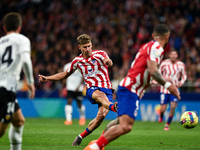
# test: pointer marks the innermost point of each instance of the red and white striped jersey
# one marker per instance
(138, 78)
(93, 70)
(174, 71)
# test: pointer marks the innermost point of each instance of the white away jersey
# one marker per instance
(175, 71)
(138, 78)
(93, 70)
(11, 46)
(74, 80)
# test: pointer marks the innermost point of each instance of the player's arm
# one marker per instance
(154, 72)
(59, 76)
(55, 77)
(28, 70)
(183, 77)
(107, 61)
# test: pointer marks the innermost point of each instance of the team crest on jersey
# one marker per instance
(7, 117)
(94, 61)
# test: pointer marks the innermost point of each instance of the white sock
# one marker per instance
(15, 137)
(94, 146)
(68, 112)
(82, 111)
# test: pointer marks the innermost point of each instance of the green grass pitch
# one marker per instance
(52, 134)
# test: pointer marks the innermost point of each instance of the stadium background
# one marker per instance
(119, 28)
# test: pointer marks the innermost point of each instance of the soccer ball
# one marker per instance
(189, 119)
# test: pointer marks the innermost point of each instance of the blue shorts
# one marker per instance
(167, 98)
(128, 102)
(90, 91)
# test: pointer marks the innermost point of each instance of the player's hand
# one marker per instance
(42, 78)
(32, 89)
(174, 91)
(154, 82)
(108, 62)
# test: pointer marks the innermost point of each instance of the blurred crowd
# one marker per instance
(118, 27)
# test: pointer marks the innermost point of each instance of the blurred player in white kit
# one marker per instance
(74, 86)
(15, 53)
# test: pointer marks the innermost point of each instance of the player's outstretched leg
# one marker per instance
(95, 123)
(106, 100)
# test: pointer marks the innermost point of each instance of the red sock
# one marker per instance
(102, 141)
(85, 133)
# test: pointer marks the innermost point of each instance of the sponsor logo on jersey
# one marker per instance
(94, 61)
(90, 70)
(90, 74)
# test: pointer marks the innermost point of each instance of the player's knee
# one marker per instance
(126, 128)
(19, 122)
(69, 101)
(100, 96)
(172, 107)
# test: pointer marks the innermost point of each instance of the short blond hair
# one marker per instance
(83, 39)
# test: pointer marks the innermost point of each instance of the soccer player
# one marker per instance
(75, 86)
(14, 55)
(143, 70)
(173, 71)
(93, 65)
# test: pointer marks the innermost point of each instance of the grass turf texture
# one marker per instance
(52, 134)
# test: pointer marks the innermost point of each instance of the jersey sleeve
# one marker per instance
(156, 53)
(103, 55)
(24, 45)
(27, 67)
